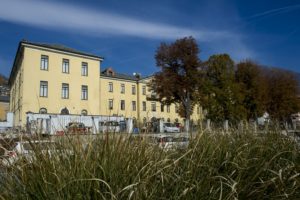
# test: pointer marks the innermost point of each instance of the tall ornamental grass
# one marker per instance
(214, 166)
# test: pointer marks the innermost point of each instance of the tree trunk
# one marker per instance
(187, 112)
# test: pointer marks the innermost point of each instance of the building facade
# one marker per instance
(56, 79)
(53, 79)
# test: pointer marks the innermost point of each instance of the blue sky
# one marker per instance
(127, 33)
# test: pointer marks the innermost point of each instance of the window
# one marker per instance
(43, 88)
(162, 108)
(43, 111)
(176, 109)
(44, 62)
(64, 111)
(65, 66)
(65, 91)
(144, 106)
(84, 112)
(168, 108)
(122, 88)
(110, 87)
(84, 69)
(133, 89)
(144, 90)
(122, 104)
(133, 106)
(84, 92)
(110, 104)
(153, 107)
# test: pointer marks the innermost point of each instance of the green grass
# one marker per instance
(215, 166)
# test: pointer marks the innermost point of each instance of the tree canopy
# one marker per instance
(178, 75)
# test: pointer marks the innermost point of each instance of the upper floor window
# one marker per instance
(84, 69)
(122, 88)
(44, 89)
(144, 90)
(168, 108)
(110, 104)
(84, 92)
(43, 111)
(162, 108)
(44, 62)
(133, 89)
(110, 87)
(144, 106)
(153, 107)
(65, 91)
(122, 104)
(65, 66)
(134, 105)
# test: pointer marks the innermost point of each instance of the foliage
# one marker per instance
(282, 94)
(178, 75)
(253, 88)
(237, 165)
(222, 98)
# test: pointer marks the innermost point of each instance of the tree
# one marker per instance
(223, 100)
(252, 88)
(282, 94)
(178, 75)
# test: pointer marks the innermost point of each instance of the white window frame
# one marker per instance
(66, 66)
(133, 89)
(84, 92)
(84, 69)
(133, 105)
(65, 91)
(43, 88)
(122, 88)
(44, 62)
(110, 87)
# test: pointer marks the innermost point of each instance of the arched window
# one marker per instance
(43, 111)
(64, 111)
(176, 120)
(168, 120)
(84, 112)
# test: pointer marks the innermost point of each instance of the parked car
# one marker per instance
(110, 126)
(77, 128)
(168, 142)
(28, 150)
(170, 128)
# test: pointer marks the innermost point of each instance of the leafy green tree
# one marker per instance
(282, 94)
(178, 75)
(253, 89)
(222, 99)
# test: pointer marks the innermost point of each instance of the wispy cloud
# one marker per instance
(61, 16)
(54, 15)
(275, 11)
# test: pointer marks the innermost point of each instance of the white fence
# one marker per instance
(8, 123)
(56, 124)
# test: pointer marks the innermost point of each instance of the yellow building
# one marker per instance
(58, 80)
(130, 96)
(53, 79)
(4, 107)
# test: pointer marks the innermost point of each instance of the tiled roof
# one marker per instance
(120, 76)
(61, 48)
